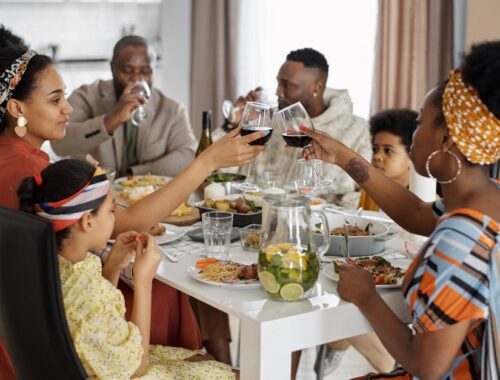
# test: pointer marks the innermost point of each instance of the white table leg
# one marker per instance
(264, 356)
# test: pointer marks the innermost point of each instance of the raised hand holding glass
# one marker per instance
(141, 113)
(293, 118)
(256, 117)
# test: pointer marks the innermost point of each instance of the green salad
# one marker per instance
(225, 177)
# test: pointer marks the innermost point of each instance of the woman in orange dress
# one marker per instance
(452, 286)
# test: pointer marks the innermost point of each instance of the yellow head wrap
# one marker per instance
(473, 128)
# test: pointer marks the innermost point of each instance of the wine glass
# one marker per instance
(256, 117)
(308, 175)
(230, 110)
(292, 118)
(142, 89)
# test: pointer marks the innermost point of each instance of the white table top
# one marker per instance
(254, 303)
(271, 330)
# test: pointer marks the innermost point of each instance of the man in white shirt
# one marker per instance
(303, 77)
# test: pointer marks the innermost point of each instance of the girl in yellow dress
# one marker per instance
(76, 198)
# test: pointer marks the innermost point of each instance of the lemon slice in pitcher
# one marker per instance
(291, 292)
(269, 282)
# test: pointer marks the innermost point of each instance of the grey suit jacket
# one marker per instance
(165, 140)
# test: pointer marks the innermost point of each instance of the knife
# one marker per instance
(169, 256)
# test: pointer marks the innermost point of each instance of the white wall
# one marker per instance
(176, 48)
(482, 21)
(81, 30)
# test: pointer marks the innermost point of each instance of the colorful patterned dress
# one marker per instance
(109, 347)
(456, 278)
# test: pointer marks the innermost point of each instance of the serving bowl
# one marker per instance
(358, 245)
(251, 236)
(239, 219)
(227, 180)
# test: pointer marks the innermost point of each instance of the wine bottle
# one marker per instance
(206, 133)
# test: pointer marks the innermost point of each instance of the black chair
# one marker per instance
(32, 321)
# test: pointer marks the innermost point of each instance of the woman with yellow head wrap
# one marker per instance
(452, 288)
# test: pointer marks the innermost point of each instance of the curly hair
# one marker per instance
(400, 122)
(11, 48)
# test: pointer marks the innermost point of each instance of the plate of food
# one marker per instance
(386, 274)
(135, 187)
(225, 273)
(246, 209)
(163, 233)
(132, 181)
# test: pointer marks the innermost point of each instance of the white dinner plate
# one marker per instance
(329, 272)
(243, 284)
(171, 234)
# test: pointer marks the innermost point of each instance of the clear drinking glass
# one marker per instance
(256, 117)
(142, 89)
(292, 119)
(217, 228)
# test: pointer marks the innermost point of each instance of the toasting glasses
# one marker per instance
(292, 118)
(142, 89)
(256, 117)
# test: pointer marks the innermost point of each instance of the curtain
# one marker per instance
(213, 58)
(414, 51)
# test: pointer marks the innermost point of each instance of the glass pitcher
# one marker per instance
(288, 259)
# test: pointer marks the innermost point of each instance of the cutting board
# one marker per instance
(175, 220)
(183, 220)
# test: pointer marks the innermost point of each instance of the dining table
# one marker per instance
(270, 330)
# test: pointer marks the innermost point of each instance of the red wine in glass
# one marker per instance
(295, 138)
(246, 130)
(297, 141)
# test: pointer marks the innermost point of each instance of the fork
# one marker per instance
(346, 243)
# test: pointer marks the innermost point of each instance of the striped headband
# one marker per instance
(68, 211)
(474, 129)
(11, 77)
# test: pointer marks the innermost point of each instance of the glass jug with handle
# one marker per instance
(288, 262)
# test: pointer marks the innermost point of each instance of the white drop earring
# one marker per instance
(20, 128)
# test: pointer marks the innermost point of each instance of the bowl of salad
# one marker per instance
(227, 180)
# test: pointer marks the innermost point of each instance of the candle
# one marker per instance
(422, 187)
(273, 190)
(213, 190)
(425, 189)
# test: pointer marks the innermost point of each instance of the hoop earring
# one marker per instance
(427, 166)
(20, 128)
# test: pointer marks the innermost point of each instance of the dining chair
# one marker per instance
(33, 325)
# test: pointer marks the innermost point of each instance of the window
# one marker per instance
(344, 31)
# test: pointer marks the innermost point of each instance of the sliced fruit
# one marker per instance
(276, 260)
(284, 246)
(270, 251)
(291, 292)
(269, 282)
(294, 260)
(295, 275)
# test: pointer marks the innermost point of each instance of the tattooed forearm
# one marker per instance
(358, 170)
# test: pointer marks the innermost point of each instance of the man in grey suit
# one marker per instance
(100, 124)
